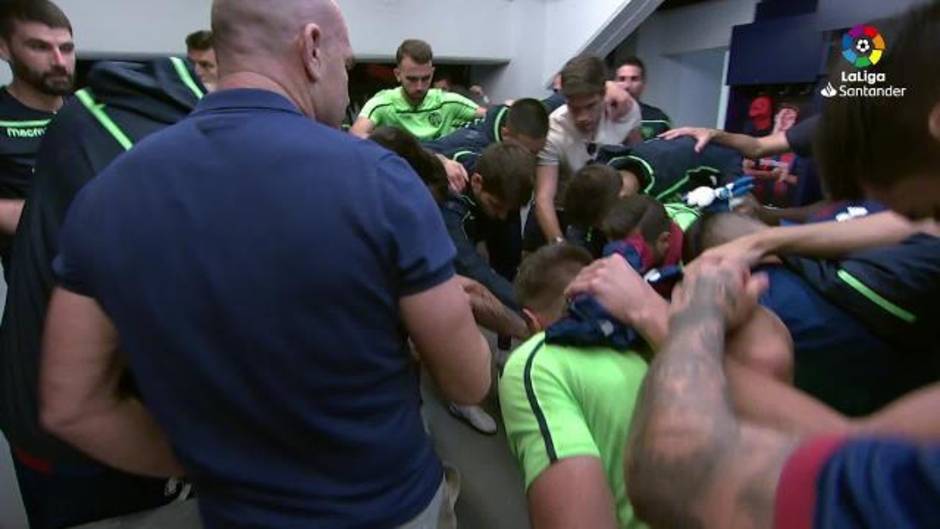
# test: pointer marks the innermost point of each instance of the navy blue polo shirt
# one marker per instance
(862, 482)
(252, 261)
(872, 482)
(837, 358)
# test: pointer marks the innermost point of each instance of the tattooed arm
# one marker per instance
(691, 462)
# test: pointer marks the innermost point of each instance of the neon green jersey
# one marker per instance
(682, 215)
(438, 115)
(561, 402)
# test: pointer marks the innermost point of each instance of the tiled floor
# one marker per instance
(492, 495)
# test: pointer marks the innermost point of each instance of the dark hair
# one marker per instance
(590, 195)
(41, 11)
(508, 171)
(583, 75)
(544, 275)
(528, 117)
(633, 60)
(637, 213)
(199, 40)
(879, 140)
(428, 167)
(419, 51)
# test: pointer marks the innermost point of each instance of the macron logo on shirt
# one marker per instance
(35, 132)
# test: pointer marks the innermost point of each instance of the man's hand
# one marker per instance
(362, 128)
(470, 286)
(490, 313)
(703, 136)
(726, 285)
(478, 91)
(456, 174)
(619, 102)
(616, 286)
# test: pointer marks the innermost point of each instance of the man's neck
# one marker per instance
(412, 102)
(257, 81)
(469, 193)
(33, 98)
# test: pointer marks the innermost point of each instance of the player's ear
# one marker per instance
(933, 124)
(532, 321)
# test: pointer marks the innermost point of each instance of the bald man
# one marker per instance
(254, 267)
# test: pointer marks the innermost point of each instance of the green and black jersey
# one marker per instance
(562, 402)
(123, 103)
(668, 169)
(438, 115)
(655, 121)
(21, 132)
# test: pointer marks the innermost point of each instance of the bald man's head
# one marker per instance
(300, 45)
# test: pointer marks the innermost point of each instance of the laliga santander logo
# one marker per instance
(863, 46)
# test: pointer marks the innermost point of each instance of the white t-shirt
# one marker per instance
(569, 149)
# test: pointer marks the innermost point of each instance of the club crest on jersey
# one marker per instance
(435, 119)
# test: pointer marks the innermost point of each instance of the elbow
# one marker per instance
(58, 417)
(652, 494)
(472, 390)
(666, 456)
(471, 384)
(62, 413)
(641, 486)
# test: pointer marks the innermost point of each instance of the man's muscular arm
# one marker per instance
(691, 462)
(10, 212)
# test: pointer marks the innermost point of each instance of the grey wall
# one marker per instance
(681, 48)
(535, 37)
(699, 87)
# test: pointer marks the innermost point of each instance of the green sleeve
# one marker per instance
(462, 109)
(544, 423)
(682, 215)
(375, 107)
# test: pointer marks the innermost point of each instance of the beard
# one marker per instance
(56, 81)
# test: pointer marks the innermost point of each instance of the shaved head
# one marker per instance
(715, 229)
(296, 44)
(243, 28)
